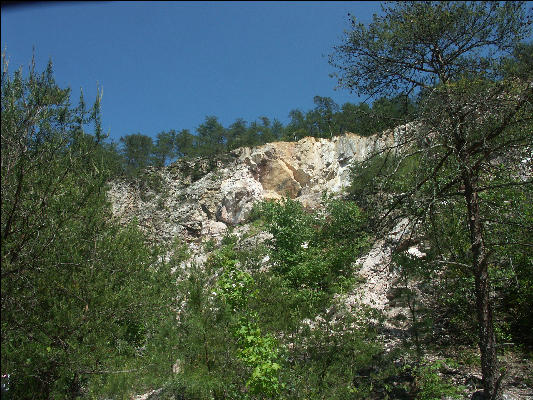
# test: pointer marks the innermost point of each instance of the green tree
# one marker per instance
(521, 63)
(449, 49)
(277, 130)
(237, 134)
(325, 109)
(353, 118)
(390, 112)
(256, 350)
(164, 148)
(411, 52)
(212, 137)
(297, 128)
(265, 131)
(209, 316)
(314, 252)
(253, 134)
(137, 151)
(385, 113)
(111, 157)
(185, 144)
(81, 296)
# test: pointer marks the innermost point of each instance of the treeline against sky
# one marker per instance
(327, 119)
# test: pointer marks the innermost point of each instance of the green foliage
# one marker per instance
(521, 63)
(470, 123)
(211, 137)
(343, 226)
(510, 208)
(244, 333)
(235, 285)
(388, 113)
(81, 296)
(255, 350)
(205, 345)
(221, 341)
(323, 116)
(164, 148)
(380, 179)
(291, 228)
(337, 356)
(184, 144)
(194, 385)
(250, 329)
(259, 352)
(313, 251)
(88, 309)
(238, 134)
(136, 150)
(419, 44)
(340, 358)
(430, 385)
(327, 119)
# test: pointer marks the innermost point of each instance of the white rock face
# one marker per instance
(239, 191)
(380, 279)
(308, 166)
(197, 199)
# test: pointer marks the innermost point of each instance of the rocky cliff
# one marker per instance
(196, 200)
(201, 197)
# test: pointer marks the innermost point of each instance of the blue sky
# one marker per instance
(167, 65)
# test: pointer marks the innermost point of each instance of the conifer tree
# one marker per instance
(471, 122)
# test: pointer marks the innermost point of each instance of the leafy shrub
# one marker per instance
(430, 384)
(312, 251)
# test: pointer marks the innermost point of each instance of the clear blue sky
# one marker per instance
(167, 65)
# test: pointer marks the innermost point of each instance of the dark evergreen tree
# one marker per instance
(137, 152)
(164, 148)
(325, 109)
(237, 134)
(185, 144)
(212, 137)
(297, 127)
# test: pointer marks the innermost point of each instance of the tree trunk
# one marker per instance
(487, 339)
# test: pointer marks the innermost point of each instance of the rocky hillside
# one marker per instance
(200, 200)
(196, 200)
(202, 197)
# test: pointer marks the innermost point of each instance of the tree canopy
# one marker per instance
(416, 45)
(469, 125)
(80, 293)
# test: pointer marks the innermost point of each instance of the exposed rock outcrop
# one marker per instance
(203, 197)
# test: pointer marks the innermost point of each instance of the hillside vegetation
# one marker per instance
(93, 308)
